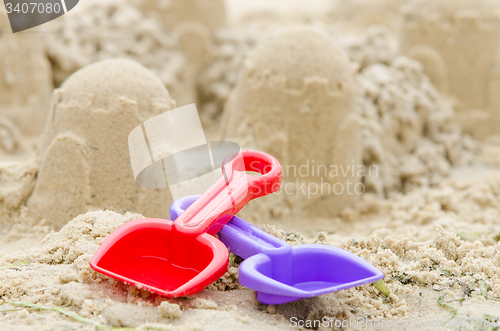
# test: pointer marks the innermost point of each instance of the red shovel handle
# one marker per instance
(231, 192)
(259, 162)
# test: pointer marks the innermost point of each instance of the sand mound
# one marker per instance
(83, 155)
(408, 129)
(77, 240)
(17, 183)
(457, 43)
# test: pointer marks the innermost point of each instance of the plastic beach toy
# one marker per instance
(182, 257)
(281, 273)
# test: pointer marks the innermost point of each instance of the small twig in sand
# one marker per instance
(466, 288)
(13, 265)
(438, 287)
(45, 288)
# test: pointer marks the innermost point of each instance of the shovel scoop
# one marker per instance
(281, 273)
(182, 257)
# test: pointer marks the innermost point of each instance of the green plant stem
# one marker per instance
(65, 312)
(449, 306)
(13, 265)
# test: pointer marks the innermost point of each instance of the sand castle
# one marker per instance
(4, 21)
(408, 133)
(457, 41)
(296, 83)
(215, 82)
(83, 155)
(25, 84)
(360, 14)
(209, 13)
(193, 21)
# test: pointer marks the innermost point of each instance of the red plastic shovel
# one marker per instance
(182, 257)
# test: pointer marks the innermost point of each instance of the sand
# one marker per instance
(412, 239)
(427, 217)
(435, 31)
(107, 35)
(359, 15)
(408, 138)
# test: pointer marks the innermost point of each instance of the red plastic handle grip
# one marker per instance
(260, 162)
(230, 193)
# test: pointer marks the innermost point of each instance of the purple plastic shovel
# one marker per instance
(281, 273)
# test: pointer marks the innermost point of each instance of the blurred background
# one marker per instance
(406, 88)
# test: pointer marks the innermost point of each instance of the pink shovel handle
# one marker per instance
(231, 192)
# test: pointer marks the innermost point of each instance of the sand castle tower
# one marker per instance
(360, 14)
(458, 43)
(83, 155)
(25, 80)
(194, 21)
(210, 13)
(294, 99)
